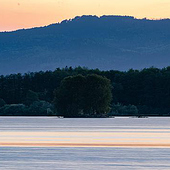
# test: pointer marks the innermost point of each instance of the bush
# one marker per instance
(38, 108)
(13, 110)
(121, 110)
(41, 108)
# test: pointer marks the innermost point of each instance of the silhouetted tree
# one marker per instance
(80, 96)
(69, 98)
(98, 95)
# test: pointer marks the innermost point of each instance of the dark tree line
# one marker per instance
(147, 89)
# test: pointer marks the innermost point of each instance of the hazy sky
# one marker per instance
(15, 14)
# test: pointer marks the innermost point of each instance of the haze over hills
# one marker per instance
(107, 42)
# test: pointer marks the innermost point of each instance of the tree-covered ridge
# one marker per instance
(146, 90)
(121, 42)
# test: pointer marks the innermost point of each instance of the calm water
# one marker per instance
(81, 144)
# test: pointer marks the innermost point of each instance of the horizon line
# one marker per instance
(98, 16)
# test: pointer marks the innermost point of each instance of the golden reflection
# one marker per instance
(155, 138)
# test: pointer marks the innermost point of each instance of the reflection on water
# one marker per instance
(84, 144)
(151, 132)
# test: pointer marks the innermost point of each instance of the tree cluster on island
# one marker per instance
(82, 92)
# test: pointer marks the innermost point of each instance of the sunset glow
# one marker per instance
(18, 14)
(131, 138)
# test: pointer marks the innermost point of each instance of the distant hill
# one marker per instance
(107, 42)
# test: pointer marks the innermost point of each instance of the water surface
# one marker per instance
(87, 144)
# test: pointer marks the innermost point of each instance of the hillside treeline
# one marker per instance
(134, 92)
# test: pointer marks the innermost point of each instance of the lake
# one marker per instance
(71, 144)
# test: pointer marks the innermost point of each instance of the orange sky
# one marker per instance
(17, 14)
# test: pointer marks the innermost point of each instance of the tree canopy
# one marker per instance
(84, 96)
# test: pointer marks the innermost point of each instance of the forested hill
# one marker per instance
(107, 42)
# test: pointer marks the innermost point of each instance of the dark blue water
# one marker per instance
(12, 158)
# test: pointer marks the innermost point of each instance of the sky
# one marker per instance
(18, 14)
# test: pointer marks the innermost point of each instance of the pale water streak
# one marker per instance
(84, 144)
(124, 132)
